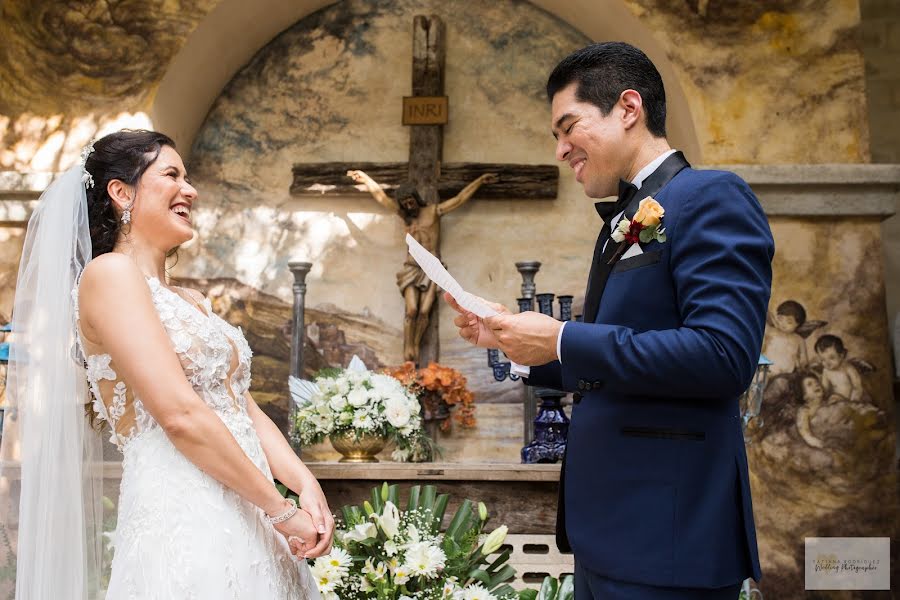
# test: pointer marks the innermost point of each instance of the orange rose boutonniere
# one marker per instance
(646, 226)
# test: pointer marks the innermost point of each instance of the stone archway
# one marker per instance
(232, 33)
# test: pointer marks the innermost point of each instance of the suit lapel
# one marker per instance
(600, 273)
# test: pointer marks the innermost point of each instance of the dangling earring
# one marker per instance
(126, 214)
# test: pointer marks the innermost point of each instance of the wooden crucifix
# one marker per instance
(424, 188)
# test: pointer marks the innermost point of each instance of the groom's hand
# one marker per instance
(313, 501)
(472, 327)
(527, 338)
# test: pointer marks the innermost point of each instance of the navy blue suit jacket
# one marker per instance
(656, 480)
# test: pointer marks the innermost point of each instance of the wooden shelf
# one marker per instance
(434, 471)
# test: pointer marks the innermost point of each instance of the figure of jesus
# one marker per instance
(423, 222)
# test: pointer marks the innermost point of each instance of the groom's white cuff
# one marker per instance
(525, 371)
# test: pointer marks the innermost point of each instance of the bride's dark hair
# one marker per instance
(123, 155)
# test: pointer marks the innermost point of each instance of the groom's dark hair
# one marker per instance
(603, 71)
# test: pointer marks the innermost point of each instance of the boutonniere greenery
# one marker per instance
(646, 226)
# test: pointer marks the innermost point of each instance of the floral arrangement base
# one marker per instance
(355, 448)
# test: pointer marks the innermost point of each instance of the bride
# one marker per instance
(199, 516)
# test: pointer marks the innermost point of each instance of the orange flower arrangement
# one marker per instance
(439, 387)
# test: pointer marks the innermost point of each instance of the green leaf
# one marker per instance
(567, 588)
(437, 512)
(661, 238)
(506, 590)
(507, 573)
(413, 503)
(347, 512)
(499, 561)
(459, 524)
(482, 576)
(528, 594)
(394, 494)
(548, 589)
(427, 498)
(646, 235)
(377, 502)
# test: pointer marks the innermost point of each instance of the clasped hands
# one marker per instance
(527, 338)
(310, 531)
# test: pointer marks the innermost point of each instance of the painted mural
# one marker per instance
(822, 452)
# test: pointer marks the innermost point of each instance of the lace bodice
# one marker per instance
(214, 354)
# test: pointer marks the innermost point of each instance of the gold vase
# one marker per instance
(360, 448)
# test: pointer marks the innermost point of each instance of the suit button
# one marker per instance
(597, 385)
(582, 384)
(576, 397)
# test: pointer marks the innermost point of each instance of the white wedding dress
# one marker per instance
(180, 533)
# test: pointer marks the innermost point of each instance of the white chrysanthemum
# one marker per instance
(338, 559)
(399, 455)
(362, 421)
(401, 575)
(396, 412)
(424, 559)
(326, 578)
(476, 591)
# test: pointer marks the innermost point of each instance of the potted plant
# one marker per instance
(441, 390)
(383, 551)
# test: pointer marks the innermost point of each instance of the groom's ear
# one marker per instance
(120, 193)
(632, 106)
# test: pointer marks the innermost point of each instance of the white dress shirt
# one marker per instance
(642, 175)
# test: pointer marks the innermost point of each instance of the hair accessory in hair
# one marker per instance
(86, 178)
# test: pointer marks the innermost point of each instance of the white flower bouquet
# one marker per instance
(361, 403)
(383, 552)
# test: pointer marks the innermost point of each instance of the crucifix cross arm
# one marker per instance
(373, 188)
(466, 193)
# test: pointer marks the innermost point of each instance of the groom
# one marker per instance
(654, 495)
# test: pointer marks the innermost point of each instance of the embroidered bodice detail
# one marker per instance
(214, 354)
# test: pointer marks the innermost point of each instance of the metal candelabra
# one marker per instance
(545, 428)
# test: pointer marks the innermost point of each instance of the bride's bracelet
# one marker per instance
(285, 515)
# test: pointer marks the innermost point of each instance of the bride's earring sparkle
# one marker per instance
(126, 214)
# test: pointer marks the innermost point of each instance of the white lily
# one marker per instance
(389, 521)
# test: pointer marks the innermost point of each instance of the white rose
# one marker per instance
(358, 397)
(396, 412)
(338, 403)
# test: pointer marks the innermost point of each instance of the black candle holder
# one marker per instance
(565, 307)
(551, 428)
(545, 303)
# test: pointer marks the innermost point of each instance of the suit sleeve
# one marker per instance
(549, 376)
(721, 264)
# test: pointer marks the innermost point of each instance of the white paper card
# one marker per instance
(438, 274)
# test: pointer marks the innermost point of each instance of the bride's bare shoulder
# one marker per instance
(109, 273)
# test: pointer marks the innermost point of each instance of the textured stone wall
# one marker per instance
(768, 82)
(69, 71)
(880, 34)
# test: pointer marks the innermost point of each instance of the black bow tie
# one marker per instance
(607, 210)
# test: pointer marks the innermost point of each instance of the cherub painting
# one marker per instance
(840, 373)
(786, 337)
